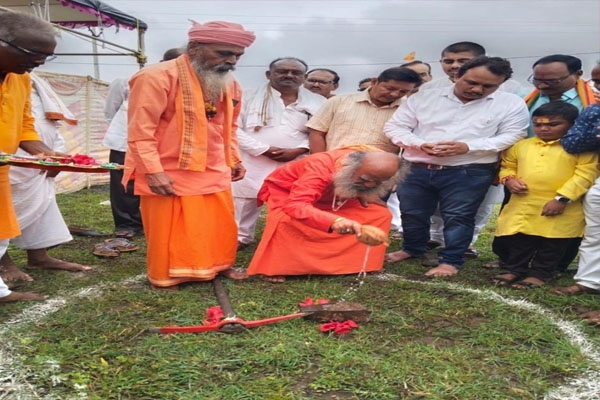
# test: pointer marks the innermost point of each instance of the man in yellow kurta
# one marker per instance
(182, 148)
(545, 209)
(21, 50)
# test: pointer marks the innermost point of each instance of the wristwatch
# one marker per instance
(562, 199)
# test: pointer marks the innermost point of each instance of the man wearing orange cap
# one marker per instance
(182, 148)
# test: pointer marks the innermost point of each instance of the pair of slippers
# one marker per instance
(114, 247)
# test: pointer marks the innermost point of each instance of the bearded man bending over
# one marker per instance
(182, 147)
(316, 205)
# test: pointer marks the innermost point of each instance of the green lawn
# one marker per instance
(459, 338)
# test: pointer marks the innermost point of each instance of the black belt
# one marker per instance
(437, 167)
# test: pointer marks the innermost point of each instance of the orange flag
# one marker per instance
(410, 56)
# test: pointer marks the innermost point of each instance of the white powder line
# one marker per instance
(584, 387)
(13, 375)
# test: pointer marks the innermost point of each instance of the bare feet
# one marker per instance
(11, 274)
(574, 290)
(274, 278)
(505, 279)
(22, 296)
(54, 263)
(442, 270)
(592, 317)
(40, 259)
(234, 274)
(530, 282)
(397, 256)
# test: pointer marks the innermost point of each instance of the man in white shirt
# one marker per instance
(322, 81)
(271, 132)
(455, 56)
(452, 137)
(452, 58)
(125, 206)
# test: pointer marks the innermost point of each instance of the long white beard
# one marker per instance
(213, 82)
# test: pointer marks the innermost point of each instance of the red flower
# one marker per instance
(83, 159)
(310, 302)
(307, 302)
(339, 328)
(213, 315)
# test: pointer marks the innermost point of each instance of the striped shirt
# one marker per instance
(353, 119)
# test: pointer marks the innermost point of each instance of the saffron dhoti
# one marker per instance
(190, 238)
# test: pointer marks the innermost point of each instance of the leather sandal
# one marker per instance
(121, 244)
(104, 250)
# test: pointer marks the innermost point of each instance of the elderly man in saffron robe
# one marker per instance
(316, 205)
(182, 148)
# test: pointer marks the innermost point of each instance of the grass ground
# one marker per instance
(458, 338)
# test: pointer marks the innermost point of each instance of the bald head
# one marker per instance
(379, 166)
(368, 174)
(172, 54)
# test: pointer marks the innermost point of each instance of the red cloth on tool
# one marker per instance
(339, 328)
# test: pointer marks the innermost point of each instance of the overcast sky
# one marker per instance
(357, 38)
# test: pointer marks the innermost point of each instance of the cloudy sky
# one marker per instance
(357, 38)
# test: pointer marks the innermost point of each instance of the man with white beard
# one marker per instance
(182, 150)
(316, 205)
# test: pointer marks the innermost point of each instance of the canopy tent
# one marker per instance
(68, 15)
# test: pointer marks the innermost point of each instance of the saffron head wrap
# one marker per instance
(220, 32)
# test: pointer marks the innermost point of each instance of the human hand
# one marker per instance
(553, 207)
(161, 183)
(516, 186)
(285, 155)
(429, 148)
(237, 172)
(345, 226)
(446, 149)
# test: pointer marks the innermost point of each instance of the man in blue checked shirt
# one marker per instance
(585, 136)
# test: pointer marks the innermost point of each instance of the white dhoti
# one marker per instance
(4, 291)
(33, 194)
(40, 220)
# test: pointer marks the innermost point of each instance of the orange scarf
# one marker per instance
(192, 121)
(584, 91)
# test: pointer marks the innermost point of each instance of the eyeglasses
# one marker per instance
(549, 82)
(319, 82)
(32, 53)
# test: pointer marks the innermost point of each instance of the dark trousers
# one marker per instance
(499, 246)
(124, 204)
(534, 256)
(458, 191)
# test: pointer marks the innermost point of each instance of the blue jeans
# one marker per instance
(458, 193)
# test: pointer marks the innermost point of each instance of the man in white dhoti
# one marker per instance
(33, 194)
(271, 132)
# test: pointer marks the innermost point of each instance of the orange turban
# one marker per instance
(220, 32)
